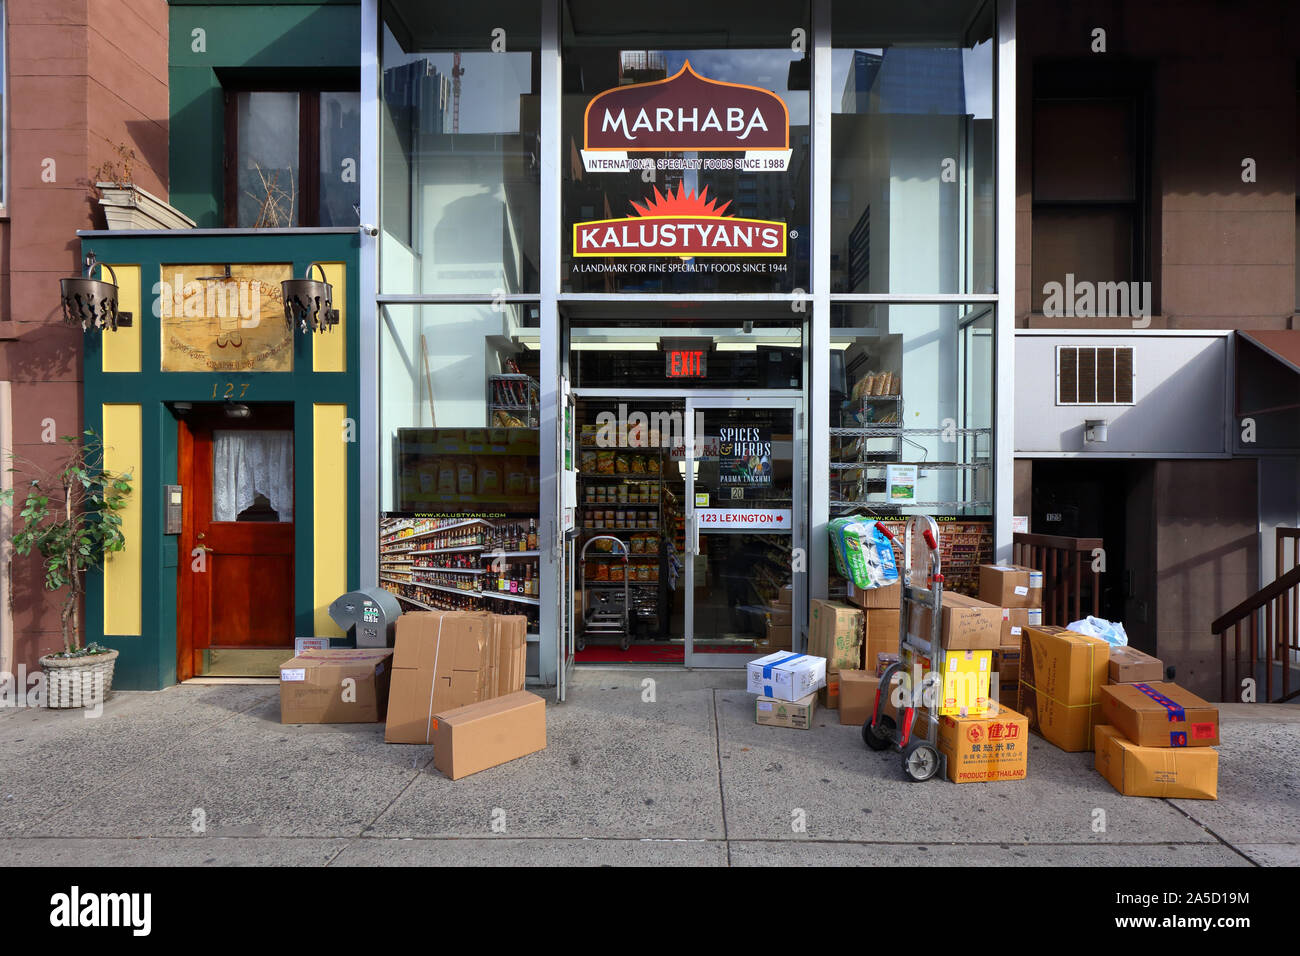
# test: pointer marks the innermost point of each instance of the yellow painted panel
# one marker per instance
(328, 349)
(330, 513)
(123, 581)
(121, 349)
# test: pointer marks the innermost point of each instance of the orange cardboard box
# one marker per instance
(858, 696)
(890, 596)
(488, 733)
(990, 747)
(1135, 771)
(1160, 714)
(1011, 585)
(1061, 677)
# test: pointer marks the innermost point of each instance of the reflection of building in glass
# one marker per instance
(418, 97)
(906, 80)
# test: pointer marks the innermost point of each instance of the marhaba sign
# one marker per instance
(685, 114)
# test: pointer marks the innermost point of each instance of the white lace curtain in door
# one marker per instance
(252, 475)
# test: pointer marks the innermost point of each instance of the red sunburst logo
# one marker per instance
(682, 203)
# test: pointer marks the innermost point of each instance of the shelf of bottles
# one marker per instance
(462, 564)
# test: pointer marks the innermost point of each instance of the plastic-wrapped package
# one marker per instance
(1112, 632)
(863, 553)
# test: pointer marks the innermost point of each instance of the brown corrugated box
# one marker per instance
(797, 714)
(1160, 714)
(473, 655)
(835, 633)
(488, 733)
(776, 638)
(780, 615)
(881, 634)
(1015, 620)
(1061, 676)
(312, 689)
(987, 748)
(1128, 665)
(967, 624)
(858, 696)
(785, 595)
(1135, 771)
(890, 596)
(1011, 585)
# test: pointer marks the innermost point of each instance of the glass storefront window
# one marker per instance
(912, 197)
(459, 459)
(340, 137)
(688, 162)
(911, 389)
(459, 145)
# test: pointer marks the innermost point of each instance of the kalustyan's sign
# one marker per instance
(686, 113)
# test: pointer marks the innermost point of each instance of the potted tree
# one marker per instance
(71, 517)
(126, 205)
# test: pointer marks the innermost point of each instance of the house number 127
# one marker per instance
(229, 391)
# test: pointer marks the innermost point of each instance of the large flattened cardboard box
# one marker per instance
(835, 633)
(796, 714)
(1135, 771)
(1128, 665)
(787, 677)
(1061, 677)
(965, 679)
(488, 733)
(1011, 585)
(312, 688)
(447, 659)
(1160, 714)
(990, 747)
(965, 623)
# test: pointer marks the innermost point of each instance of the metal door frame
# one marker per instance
(798, 507)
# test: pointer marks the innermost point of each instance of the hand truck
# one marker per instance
(919, 747)
(604, 615)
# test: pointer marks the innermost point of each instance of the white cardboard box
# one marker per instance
(786, 676)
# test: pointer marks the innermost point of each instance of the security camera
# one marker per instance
(369, 230)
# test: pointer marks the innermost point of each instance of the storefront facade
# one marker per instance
(659, 294)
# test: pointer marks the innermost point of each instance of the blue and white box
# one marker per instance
(786, 676)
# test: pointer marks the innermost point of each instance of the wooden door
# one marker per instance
(238, 510)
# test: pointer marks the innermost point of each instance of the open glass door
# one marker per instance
(744, 527)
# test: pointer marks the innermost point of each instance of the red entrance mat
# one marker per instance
(657, 653)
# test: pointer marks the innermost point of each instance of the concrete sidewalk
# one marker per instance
(688, 779)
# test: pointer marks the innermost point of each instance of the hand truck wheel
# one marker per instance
(878, 736)
(920, 761)
(581, 645)
(624, 643)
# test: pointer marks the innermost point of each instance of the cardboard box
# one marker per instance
(1011, 585)
(1015, 620)
(1008, 694)
(835, 633)
(780, 615)
(965, 680)
(1061, 677)
(881, 634)
(1137, 771)
(993, 746)
(776, 638)
(858, 696)
(785, 596)
(1006, 664)
(488, 733)
(890, 596)
(1128, 665)
(507, 654)
(439, 663)
(312, 688)
(796, 714)
(966, 624)
(1160, 714)
(785, 676)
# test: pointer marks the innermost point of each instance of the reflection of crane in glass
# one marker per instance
(457, 71)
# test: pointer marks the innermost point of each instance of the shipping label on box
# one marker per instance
(1137, 771)
(788, 677)
(987, 748)
(796, 714)
(1160, 714)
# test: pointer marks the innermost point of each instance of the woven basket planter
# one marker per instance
(78, 681)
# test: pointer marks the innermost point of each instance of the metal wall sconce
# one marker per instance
(309, 303)
(92, 303)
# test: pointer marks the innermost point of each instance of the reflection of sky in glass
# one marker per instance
(768, 69)
(977, 66)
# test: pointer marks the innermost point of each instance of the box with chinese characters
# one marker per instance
(989, 747)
